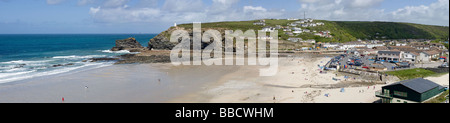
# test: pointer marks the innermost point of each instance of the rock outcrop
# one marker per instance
(161, 42)
(129, 44)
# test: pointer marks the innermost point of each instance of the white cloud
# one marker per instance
(364, 3)
(183, 5)
(436, 13)
(254, 9)
(115, 3)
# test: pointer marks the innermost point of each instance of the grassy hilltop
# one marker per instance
(344, 31)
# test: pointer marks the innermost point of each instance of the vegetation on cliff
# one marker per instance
(341, 31)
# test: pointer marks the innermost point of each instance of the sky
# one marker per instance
(155, 16)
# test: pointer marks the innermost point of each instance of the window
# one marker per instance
(401, 94)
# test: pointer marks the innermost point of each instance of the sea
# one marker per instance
(27, 56)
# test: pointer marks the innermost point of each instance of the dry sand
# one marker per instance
(245, 86)
(290, 85)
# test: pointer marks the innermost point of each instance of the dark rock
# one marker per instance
(133, 58)
(161, 42)
(60, 65)
(103, 59)
(20, 66)
(127, 44)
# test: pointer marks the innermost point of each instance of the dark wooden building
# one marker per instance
(410, 91)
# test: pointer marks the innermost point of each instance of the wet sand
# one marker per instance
(132, 83)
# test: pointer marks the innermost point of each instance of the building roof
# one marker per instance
(389, 52)
(380, 48)
(432, 52)
(419, 85)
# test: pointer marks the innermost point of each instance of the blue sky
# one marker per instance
(154, 16)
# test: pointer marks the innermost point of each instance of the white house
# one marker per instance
(296, 29)
(370, 46)
(310, 41)
(330, 45)
(295, 39)
(351, 45)
(424, 57)
(297, 32)
(410, 57)
(268, 29)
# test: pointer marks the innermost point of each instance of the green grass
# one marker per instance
(441, 98)
(342, 31)
(412, 73)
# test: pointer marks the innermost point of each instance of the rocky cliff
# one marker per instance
(162, 40)
(128, 44)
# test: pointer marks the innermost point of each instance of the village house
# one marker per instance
(295, 39)
(402, 48)
(268, 29)
(435, 54)
(306, 30)
(372, 45)
(260, 23)
(320, 24)
(410, 57)
(330, 45)
(389, 56)
(421, 47)
(410, 91)
(351, 45)
(379, 48)
(438, 45)
(428, 56)
(310, 41)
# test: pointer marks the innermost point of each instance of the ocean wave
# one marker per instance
(14, 70)
(78, 57)
(116, 52)
(25, 62)
(11, 77)
(6, 75)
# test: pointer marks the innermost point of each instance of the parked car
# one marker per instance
(403, 65)
(445, 65)
(366, 67)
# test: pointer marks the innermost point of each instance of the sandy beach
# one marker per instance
(298, 80)
(131, 83)
(290, 85)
